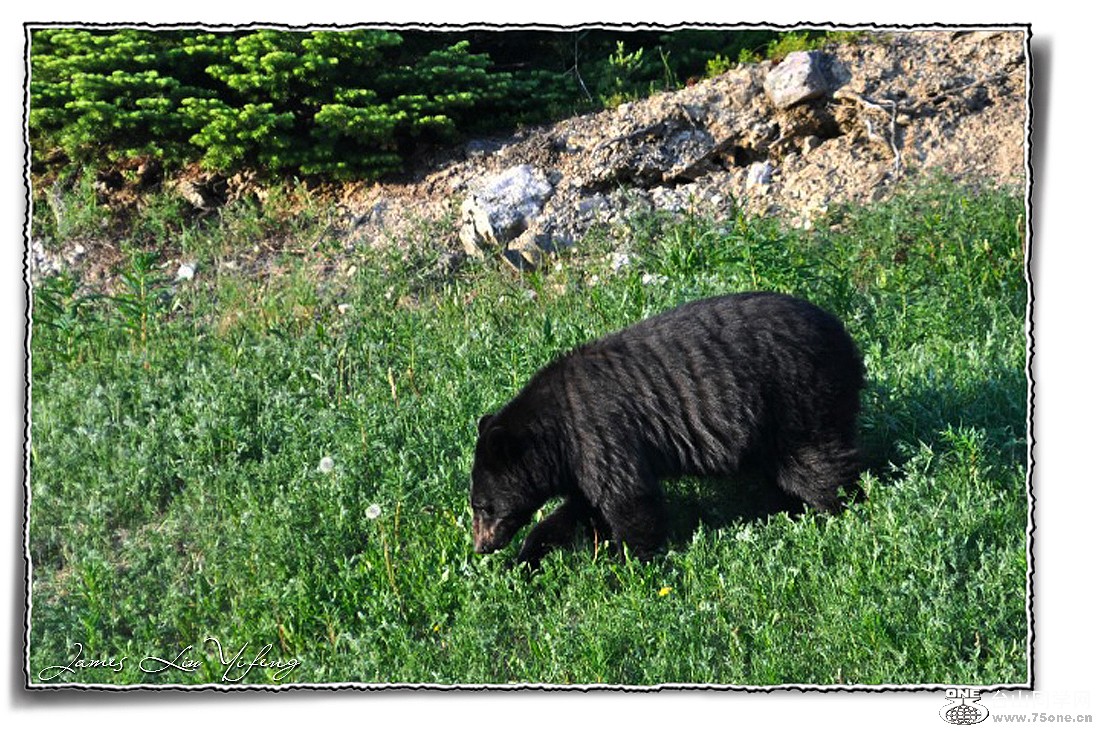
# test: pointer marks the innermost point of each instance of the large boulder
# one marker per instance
(502, 207)
(797, 79)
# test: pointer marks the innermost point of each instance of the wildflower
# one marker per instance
(374, 511)
(657, 279)
(326, 465)
(665, 591)
(619, 259)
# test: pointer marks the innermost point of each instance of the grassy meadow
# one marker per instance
(275, 463)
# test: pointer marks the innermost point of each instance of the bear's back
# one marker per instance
(694, 389)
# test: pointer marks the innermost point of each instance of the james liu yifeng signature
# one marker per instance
(234, 667)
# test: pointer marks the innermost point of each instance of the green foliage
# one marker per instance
(335, 103)
(93, 93)
(718, 65)
(178, 487)
(68, 213)
(785, 43)
(61, 324)
(144, 292)
(660, 62)
(791, 42)
(622, 75)
(353, 103)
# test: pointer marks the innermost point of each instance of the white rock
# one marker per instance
(502, 207)
(760, 173)
(797, 79)
(619, 260)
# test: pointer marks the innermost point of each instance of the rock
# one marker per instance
(689, 153)
(43, 263)
(502, 207)
(205, 192)
(760, 173)
(619, 260)
(186, 272)
(74, 255)
(529, 249)
(479, 148)
(798, 78)
(449, 262)
(593, 206)
(764, 138)
(977, 99)
(524, 255)
(149, 173)
(721, 140)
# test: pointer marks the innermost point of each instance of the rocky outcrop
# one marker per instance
(787, 139)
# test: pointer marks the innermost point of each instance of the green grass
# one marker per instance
(177, 437)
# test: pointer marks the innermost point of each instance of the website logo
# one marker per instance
(964, 708)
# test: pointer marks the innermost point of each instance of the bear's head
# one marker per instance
(506, 484)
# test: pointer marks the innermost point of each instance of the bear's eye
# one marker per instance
(484, 509)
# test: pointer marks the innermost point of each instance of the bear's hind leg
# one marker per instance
(816, 474)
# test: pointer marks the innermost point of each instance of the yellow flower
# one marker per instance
(665, 591)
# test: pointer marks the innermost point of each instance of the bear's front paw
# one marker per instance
(533, 551)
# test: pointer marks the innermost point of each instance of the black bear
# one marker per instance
(698, 390)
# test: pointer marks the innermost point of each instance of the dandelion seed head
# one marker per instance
(374, 511)
(326, 465)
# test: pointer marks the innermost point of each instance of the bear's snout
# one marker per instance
(485, 534)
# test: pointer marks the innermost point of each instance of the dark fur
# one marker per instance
(698, 390)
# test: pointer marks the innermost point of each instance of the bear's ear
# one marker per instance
(483, 422)
(501, 444)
